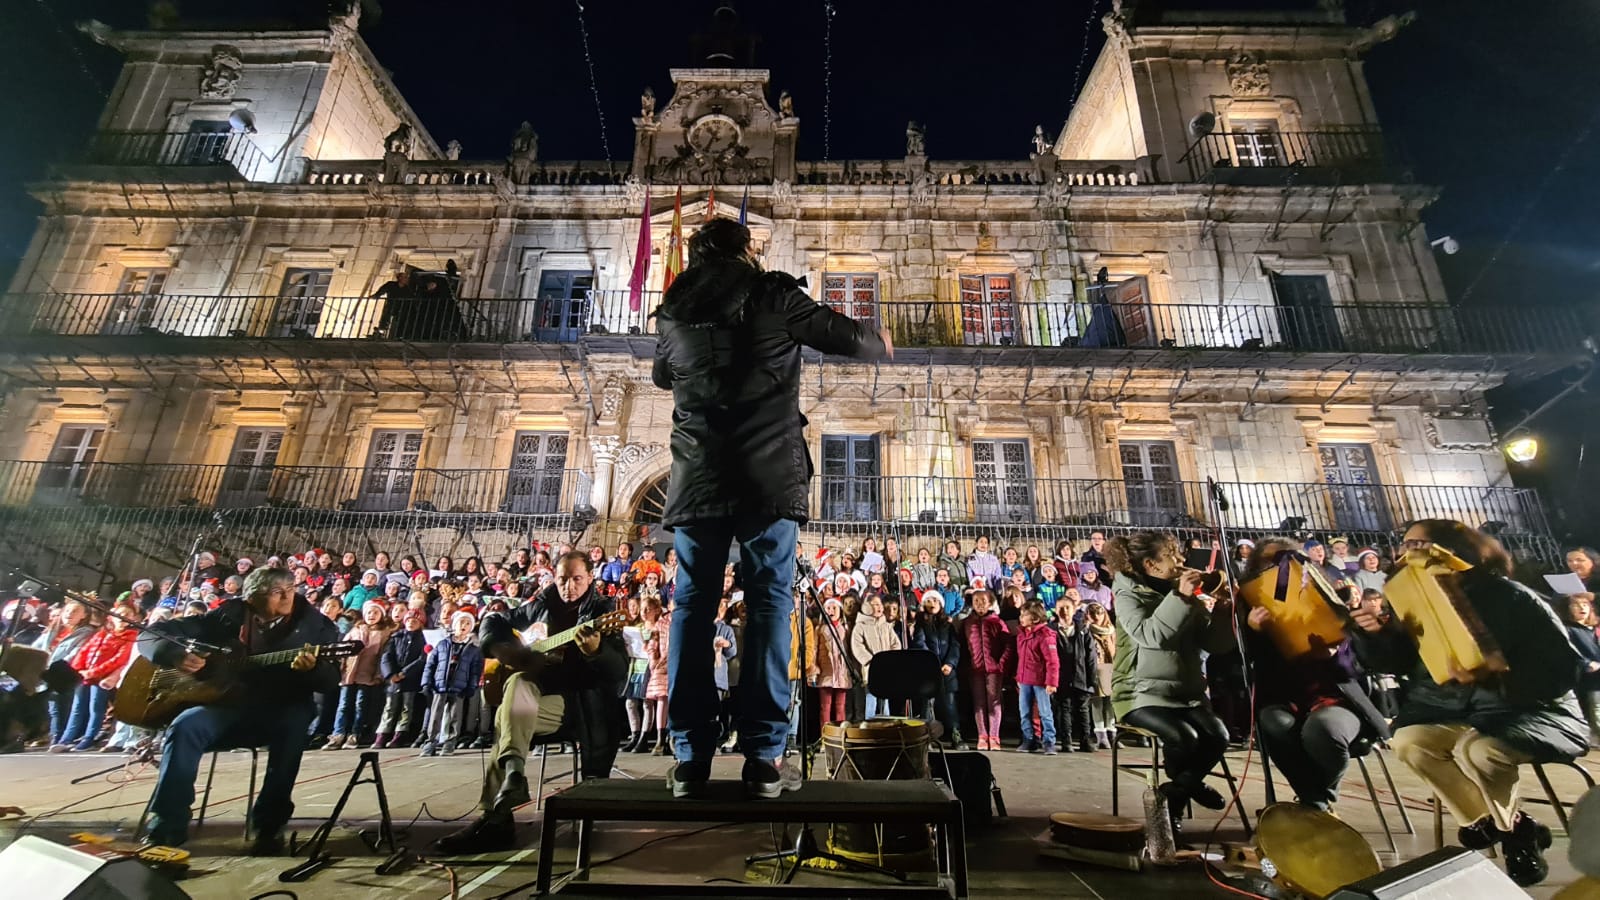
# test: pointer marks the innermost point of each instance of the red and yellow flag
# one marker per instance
(674, 260)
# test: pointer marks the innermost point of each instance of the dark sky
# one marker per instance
(1494, 101)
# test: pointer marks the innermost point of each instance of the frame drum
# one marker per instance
(877, 750)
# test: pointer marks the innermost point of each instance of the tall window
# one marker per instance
(67, 468)
(563, 298)
(988, 310)
(1150, 477)
(1256, 142)
(850, 478)
(206, 144)
(1306, 317)
(853, 295)
(134, 307)
(1002, 481)
(1354, 491)
(248, 477)
(300, 301)
(391, 469)
(538, 464)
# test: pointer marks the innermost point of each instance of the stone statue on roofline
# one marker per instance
(452, 150)
(786, 105)
(524, 156)
(916, 140)
(398, 140)
(647, 106)
(1041, 144)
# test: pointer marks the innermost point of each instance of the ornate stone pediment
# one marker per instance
(1248, 77)
(220, 80)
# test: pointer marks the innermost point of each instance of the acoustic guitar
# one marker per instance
(495, 672)
(151, 696)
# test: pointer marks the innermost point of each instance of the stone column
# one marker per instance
(604, 450)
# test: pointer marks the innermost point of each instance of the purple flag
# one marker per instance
(641, 258)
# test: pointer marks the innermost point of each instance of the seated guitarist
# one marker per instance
(581, 688)
(275, 715)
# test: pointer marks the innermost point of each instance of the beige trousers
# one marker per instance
(1474, 774)
(525, 713)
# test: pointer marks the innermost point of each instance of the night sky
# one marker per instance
(1491, 100)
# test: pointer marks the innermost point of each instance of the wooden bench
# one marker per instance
(817, 802)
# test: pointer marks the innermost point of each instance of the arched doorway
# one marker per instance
(652, 503)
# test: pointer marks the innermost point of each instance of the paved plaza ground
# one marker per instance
(1003, 859)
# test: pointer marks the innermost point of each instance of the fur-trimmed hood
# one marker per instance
(711, 293)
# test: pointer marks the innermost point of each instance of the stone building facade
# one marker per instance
(1217, 270)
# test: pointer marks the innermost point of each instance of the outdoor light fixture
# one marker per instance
(1448, 244)
(1523, 450)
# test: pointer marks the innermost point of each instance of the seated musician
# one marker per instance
(581, 687)
(276, 711)
(1163, 623)
(1467, 737)
(1310, 710)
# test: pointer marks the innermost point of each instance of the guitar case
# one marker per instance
(972, 781)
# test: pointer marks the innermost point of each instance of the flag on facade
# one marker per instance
(674, 261)
(711, 204)
(744, 206)
(641, 258)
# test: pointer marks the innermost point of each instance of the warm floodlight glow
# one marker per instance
(1523, 449)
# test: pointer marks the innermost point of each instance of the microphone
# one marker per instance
(1216, 492)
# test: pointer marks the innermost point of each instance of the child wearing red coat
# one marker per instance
(1038, 673)
(988, 656)
(99, 663)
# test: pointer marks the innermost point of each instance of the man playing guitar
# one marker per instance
(581, 688)
(276, 713)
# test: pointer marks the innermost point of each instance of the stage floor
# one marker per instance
(1003, 859)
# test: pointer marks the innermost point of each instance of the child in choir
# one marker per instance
(1038, 674)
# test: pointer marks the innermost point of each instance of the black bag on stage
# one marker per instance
(972, 781)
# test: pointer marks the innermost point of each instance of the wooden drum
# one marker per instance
(878, 750)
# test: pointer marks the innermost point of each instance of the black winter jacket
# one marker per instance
(1079, 655)
(592, 685)
(729, 350)
(939, 636)
(403, 654)
(1531, 706)
(265, 686)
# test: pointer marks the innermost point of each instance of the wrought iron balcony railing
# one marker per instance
(182, 148)
(537, 492)
(1360, 509)
(1255, 506)
(1383, 328)
(1361, 154)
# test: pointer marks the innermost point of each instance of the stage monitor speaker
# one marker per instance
(42, 870)
(1447, 874)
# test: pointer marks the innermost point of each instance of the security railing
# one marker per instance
(1390, 328)
(181, 148)
(523, 492)
(1253, 506)
(1361, 152)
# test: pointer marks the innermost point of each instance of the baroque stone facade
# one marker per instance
(1087, 334)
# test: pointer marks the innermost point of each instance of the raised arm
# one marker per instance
(817, 326)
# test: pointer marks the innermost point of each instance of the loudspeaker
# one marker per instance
(42, 870)
(1445, 874)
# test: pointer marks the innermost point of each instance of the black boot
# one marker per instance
(629, 743)
(1524, 848)
(647, 742)
(486, 834)
(1480, 835)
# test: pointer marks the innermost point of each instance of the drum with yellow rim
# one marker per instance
(878, 750)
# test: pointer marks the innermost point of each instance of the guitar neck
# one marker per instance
(275, 658)
(556, 640)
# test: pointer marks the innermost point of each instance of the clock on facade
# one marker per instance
(714, 133)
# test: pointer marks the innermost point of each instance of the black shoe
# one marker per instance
(629, 743)
(513, 793)
(1480, 835)
(484, 742)
(1524, 848)
(647, 742)
(486, 834)
(1033, 747)
(689, 779)
(1206, 795)
(765, 780)
(1085, 746)
(316, 742)
(267, 843)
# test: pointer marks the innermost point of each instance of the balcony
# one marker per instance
(1380, 328)
(1364, 512)
(1339, 156)
(235, 149)
(1075, 332)
(550, 493)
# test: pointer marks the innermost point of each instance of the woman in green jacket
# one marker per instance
(1163, 623)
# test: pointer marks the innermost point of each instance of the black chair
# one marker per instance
(205, 795)
(909, 675)
(543, 743)
(1151, 772)
(1359, 751)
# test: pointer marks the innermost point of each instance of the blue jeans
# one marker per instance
(877, 706)
(195, 732)
(358, 712)
(89, 707)
(766, 553)
(1029, 698)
